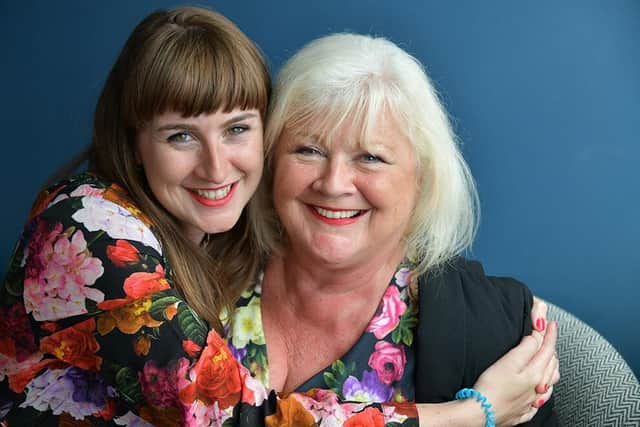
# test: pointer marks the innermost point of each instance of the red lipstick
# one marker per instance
(211, 203)
(335, 221)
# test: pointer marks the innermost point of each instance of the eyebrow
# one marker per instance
(190, 127)
(239, 118)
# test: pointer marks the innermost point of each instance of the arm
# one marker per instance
(508, 384)
(93, 330)
(473, 320)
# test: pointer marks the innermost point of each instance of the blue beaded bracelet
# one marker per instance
(466, 393)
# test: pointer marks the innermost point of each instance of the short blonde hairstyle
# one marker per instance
(350, 78)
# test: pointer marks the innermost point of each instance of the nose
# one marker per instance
(336, 178)
(214, 163)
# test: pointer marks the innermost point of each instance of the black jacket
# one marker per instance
(467, 321)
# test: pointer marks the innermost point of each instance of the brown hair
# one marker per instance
(194, 61)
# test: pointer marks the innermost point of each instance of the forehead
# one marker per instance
(384, 130)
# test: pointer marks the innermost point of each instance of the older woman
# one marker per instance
(372, 203)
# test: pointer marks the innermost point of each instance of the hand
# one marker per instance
(539, 315)
(510, 383)
(539, 322)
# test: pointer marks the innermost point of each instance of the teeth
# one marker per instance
(336, 214)
(214, 194)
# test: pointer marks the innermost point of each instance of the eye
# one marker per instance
(237, 129)
(307, 150)
(180, 137)
(370, 158)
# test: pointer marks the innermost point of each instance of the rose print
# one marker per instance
(122, 253)
(75, 345)
(216, 376)
(370, 417)
(388, 361)
(388, 314)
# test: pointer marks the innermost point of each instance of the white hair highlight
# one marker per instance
(350, 79)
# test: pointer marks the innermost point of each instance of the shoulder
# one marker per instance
(471, 319)
(82, 244)
(93, 205)
(466, 281)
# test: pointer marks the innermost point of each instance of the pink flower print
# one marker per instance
(16, 336)
(59, 273)
(388, 361)
(253, 391)
(159, 386)
(87, 190)
(325, 406)
(388, 314)
(10, 366)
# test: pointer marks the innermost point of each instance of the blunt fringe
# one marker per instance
(355, 79)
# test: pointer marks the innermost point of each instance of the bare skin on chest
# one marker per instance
(307, 331)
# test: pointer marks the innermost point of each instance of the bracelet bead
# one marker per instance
(466, 393)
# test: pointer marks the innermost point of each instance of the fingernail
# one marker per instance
(540, 324)
(539, 403)
(546, 388)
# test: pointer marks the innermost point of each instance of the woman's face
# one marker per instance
(343, 204)
(203, 169)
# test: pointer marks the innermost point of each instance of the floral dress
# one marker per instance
(379, 367)
(92, 331)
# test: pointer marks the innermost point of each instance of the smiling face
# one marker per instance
(342, 204)
(203, 169)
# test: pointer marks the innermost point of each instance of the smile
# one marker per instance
(214, 194)
(213, 198)
(336, 216)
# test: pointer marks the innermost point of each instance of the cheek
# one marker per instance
(288, 183)
(250, 160)
(168, 171)
(396, 194)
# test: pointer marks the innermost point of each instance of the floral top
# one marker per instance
(92, 332)
(378, 368)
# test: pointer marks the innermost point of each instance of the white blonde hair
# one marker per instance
(354, 79)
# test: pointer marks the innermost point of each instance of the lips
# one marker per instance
(336, 216)
(213, 197)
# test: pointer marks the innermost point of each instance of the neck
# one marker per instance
(326, 294)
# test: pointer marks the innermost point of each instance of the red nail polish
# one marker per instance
(539, 403)
(540, 324)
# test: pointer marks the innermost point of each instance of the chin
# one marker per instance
(335, 256)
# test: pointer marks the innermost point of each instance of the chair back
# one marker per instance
(596, 387)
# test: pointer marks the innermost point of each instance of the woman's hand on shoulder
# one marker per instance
(539, 315)
(512, 384)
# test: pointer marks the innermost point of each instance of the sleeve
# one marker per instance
(92, 332)
(468, 321)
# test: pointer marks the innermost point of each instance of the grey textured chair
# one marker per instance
(597, 387)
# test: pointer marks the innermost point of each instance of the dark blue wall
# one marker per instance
(545, 97)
